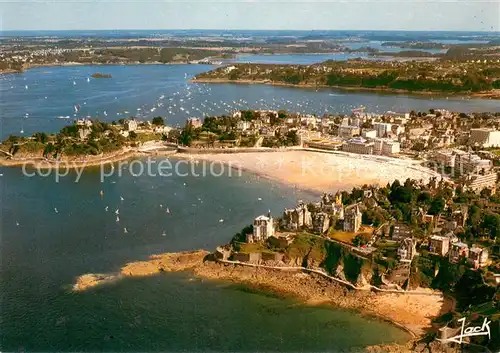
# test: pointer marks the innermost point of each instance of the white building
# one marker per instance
(485, 137)
(84, 122)
(382, 129)
(445, 157)
(386, 147)
(263, 227)
(478, 256)
(358, 145)
(390, 148)
(369, 133)
(195, 122)
(243, 125)
(407, 249)
(467, 163)
(131, 125)
(478, 182)
(348, 131)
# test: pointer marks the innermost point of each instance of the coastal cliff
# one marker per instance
(413, 312)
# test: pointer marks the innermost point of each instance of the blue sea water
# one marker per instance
(43, 99)
(43, 251)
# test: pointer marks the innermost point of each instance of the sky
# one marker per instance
(453, 15)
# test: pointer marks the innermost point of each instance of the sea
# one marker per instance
(49, 98)
(55, 230)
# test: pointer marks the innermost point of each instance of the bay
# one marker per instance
(54, 231)
(44, 98)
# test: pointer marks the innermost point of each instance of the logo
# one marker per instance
(470, 331)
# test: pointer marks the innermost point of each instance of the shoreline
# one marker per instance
(43, 163)
(409, 311)
(70, 64)
(479, 95)
(304, 169)
(317, 171)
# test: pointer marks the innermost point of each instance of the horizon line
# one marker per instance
(240, 29)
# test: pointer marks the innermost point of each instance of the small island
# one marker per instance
(100, 75)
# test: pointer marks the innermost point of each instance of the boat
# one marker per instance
(100, 75)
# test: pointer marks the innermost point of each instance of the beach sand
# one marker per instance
(320, 172)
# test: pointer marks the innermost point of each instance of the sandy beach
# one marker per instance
(321, 172)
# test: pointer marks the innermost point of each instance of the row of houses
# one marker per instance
(448, 245)
(319, 216)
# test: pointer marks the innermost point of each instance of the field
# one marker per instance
(347, 237)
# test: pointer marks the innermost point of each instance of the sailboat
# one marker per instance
(88, 79)
(168, 210)
(163, 234)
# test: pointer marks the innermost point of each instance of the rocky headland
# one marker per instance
(411, 311)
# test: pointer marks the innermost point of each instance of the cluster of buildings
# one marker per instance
(448, 245)
(476, 173)
(320, 216)
(363, 133)
(124, 129)
(316, 217)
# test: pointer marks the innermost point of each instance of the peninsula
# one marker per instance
(399, 252)
(468, 77)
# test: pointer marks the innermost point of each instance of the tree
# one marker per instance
(437, 206)
(491, 224)
(48, 149)
(186, 136)
(40, 137)
(292, 138)
(397, 214)
(158, 121)
(424, 198)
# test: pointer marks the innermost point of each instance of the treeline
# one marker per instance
(412, 77)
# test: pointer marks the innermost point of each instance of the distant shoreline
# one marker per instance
(495, 94)
(34, 66)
